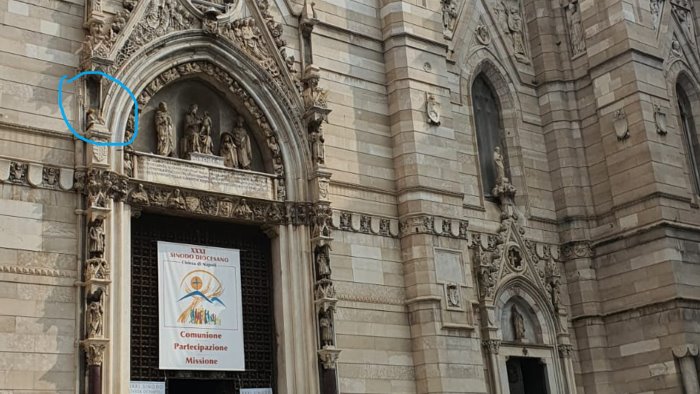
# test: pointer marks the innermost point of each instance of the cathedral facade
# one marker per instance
(434, 196)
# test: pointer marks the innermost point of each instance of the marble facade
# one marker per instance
(347, 131)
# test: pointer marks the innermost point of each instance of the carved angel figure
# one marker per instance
(228, 151)
(243, 147)
(164, 130)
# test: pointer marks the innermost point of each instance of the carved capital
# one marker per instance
(491, 346)
(329, 357)
(94, 351)
(686, 350)
(565, 350)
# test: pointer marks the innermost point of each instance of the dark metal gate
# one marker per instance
(256, 288)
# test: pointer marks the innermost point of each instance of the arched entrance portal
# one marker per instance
(179, 181)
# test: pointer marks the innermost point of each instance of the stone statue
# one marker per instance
(573, 14)
(96, 233)
(228, 151)
(326, 325)
(313, 95)
(518, 324)
(449, 15)
(500, 166)
(243, 147)
(164, 131)
(192, 127)
(205, 142)
(515, 24)
(317, 148)
(95, 314)
(510, 20)
(323, 268)
(555, 292)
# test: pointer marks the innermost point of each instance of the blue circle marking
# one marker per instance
(121, 85)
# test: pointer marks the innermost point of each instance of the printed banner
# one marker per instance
(200, 314)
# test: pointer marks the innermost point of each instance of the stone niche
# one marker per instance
(533, 332)
(178, 97)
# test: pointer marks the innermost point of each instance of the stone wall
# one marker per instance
(38, 264)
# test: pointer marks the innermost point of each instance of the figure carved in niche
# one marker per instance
(511, 22)
(96, 233)
(573, 15)
(139, 195)
(176, 200)
(323, 267)
(324, 321)
(243, 147)
(313, 95)
(95, 314)
(555, 293)
(164, 131)
(205, 142)
(655, 7)
(317, 147)
(228, 151)
(192, 126)
(518, 324)
(449, 15)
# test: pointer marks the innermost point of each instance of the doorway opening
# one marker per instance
(256, 293)
(178, 386)
(527, 375)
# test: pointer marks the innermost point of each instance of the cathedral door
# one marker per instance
(526, 375)
(257, 303)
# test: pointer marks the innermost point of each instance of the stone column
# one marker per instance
(687, 358)
(100, 187)
(565, 354)
(491, 347)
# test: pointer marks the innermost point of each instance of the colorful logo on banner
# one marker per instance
(201, 305)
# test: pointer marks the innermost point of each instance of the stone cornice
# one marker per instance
(637, 311)
(37, 130)
(37, 271)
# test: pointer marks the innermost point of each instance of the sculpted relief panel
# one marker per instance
(189, 120)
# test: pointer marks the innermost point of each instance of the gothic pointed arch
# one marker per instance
(483, 66)
(278, 131)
